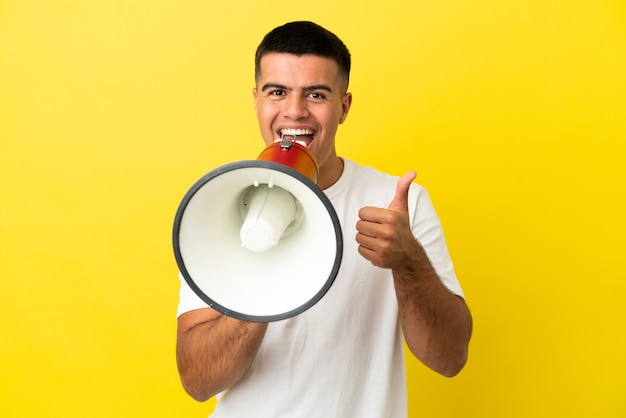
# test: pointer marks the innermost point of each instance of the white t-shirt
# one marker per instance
(344, 357)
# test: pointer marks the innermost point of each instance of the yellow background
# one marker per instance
(512, 112)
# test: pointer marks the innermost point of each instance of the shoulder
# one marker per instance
(375, 183)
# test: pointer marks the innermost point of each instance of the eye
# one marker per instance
(316, 95)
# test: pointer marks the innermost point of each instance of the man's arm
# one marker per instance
(213, 351)
(437, 324)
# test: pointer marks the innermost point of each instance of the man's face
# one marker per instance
(302, 96)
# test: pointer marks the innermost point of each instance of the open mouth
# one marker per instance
(303, 137)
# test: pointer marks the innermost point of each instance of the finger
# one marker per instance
(401, 199)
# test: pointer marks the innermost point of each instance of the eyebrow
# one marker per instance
(306, 88)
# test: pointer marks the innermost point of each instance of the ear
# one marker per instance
(254, 95)
(345, 104)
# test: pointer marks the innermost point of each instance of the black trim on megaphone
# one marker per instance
(270, 166)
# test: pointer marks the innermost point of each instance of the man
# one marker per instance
(344, 356)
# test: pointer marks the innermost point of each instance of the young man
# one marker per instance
(344, 356)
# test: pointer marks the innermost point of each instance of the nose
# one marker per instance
(296, 107)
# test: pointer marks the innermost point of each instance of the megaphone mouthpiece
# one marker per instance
(292, 154)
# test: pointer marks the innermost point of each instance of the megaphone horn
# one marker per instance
(259, 240)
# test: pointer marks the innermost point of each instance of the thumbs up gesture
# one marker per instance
(384, 235)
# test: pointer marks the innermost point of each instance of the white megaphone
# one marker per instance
(259, 240)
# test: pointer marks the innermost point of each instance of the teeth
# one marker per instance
(296, 132)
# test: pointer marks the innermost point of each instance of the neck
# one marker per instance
(330, 172)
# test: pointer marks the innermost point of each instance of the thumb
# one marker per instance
(401, 199)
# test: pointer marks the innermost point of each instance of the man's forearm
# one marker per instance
(213, 355)
(437, 324)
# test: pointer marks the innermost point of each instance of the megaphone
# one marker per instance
(258, 240)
